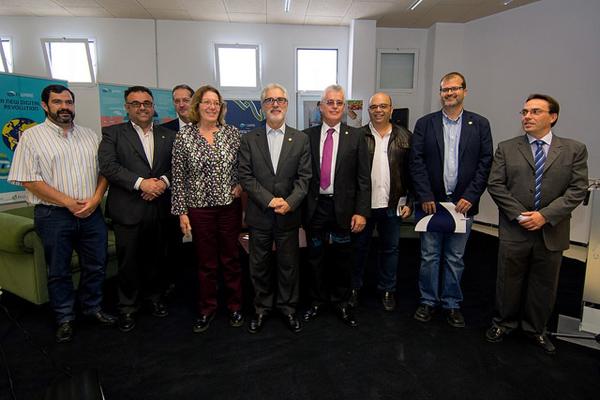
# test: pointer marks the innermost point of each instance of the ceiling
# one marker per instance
(388, 13)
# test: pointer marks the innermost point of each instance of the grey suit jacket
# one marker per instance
(564, 185)
(258, 178)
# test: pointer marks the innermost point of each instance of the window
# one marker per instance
(237, 65)
(397, 69)
(6, 60)
(316, 68)
(73, 60)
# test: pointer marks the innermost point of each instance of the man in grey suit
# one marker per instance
(537, 179)
(275, 171)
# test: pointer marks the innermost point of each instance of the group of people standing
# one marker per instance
(337, 182)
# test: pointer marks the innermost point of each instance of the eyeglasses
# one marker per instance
(187, 100)
(331, 103)
(269, 101)
(375, 107)
(137, 104)
(533, 111)
(207, 103)
(451, 89)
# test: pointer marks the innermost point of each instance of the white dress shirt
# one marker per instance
(275, 141)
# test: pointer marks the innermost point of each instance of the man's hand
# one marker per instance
(463, 206)
(405, 212)
(153, 186)
(282, 207)
(428, 207)
(88, 206)
(184, 224)
(533, 220)
(74, 206)
(357, 224)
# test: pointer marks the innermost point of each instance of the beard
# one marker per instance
(63, 116)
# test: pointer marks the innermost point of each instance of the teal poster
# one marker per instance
(20, 109)
(112, 104)
(244, 114)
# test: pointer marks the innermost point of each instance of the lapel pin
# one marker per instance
(289, 139)
(162, 137)
(345, 133)
(470, 122)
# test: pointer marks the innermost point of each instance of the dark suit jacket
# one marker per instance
(122, 161)
(564, 186)
(475, 153)
(352, 183)
(258, 178)
(172, 125)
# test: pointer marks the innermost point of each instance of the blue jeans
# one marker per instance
(442, 250)
(61, 233)
(388, 227)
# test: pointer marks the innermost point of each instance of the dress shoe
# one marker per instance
(64, 333)
(202, 323)
(353, 301)
(389, 301)
(455, 318)
(424, 313)
(159, 309)
(256, 323)
(347, 316)
(311, 313)
(236, 319)
(126, 322)
(495, 334)
(103, 318)
(544, 342)
(293, 323)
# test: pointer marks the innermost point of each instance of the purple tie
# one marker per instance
(326, 160)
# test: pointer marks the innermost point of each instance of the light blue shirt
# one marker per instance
(452, 130)
(547, 139)
(275, 141)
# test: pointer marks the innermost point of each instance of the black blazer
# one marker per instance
(122, 161)
(258, 178)
(352, 183)
(475, 153)
(172, 125)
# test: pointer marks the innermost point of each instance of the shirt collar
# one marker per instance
(140, 129)
(60, 131)
(182, 123)
(450, 120)
(547, 139)
(269, 129)
(374, 131)
(326, 127)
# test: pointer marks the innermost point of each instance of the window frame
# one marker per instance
(47, 42)
(297, 75)
(8, 67)
(415, 53)
(256, 47)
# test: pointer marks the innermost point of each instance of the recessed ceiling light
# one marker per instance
(507, 2)
(415, 5)
(287, 5)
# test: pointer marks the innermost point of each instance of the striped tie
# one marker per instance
(540, 159)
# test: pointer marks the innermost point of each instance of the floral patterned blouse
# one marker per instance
(204, 174)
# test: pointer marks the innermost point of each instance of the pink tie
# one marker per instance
(326, 160)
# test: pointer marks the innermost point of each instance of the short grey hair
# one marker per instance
(333, 88)
(270, 86)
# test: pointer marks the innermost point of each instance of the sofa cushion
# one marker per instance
(15, 230)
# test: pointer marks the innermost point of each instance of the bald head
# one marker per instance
(380, 111)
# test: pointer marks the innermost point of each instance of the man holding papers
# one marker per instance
(451, 156)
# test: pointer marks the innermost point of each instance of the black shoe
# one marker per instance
(202, 323)
(103, 318)
(311, 313)
(455, 318)
(236, 319)
(64, 333)
(424, 313)
(293, 323)
(256, 323)
(389, 301)
(347, 316)
(495, 334)
(544, 342)
(353, 301)
(159, 309)
(126, 322)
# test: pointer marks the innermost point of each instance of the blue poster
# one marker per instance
(244, 114)
(112, 104)
(20, 109)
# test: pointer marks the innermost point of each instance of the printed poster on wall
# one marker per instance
(353, 115)
(244, 114)
(20, 109)
(112, 104)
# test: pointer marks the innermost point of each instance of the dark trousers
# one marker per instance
(61, 233)
(527, 283)
(277, 283)
(141, 251)
(215, 234)
(330, 256)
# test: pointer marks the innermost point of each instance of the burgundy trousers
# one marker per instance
(215, 233)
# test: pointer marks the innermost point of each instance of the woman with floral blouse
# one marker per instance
(206, 195)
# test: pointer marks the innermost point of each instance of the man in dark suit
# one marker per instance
(275, 171)
(450, 160)
(537, 180)
(182, 99)
(337, 204)
(135, 158)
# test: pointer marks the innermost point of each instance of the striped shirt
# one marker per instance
(68, 163)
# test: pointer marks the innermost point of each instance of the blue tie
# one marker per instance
(540, 159)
